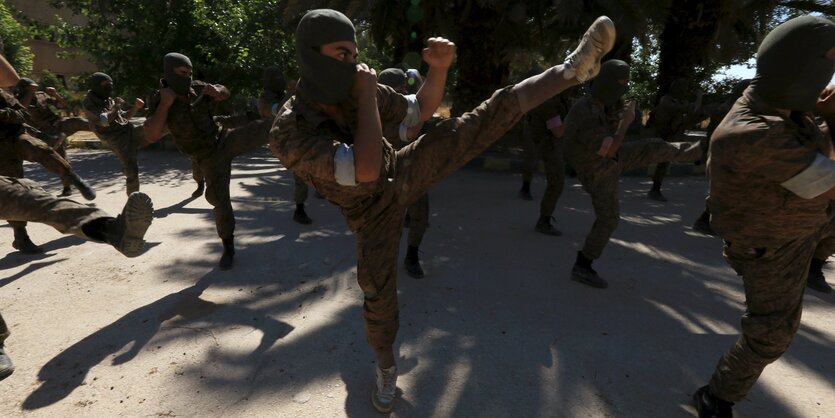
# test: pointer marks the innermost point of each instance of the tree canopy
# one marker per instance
(231, 41)
(13, 36)
(228, 41)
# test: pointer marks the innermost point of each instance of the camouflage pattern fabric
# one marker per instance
(770, 233)
(266, 101)
(211, 149)
(23, 200)
(775, 280)
(124, 137)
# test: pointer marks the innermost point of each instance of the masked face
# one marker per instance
(101, 85)
(394, 78)
(326, 47)
(792, 63)
(177, 73)
(611, 83)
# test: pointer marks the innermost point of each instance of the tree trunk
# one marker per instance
(481, 67)
(688, 36)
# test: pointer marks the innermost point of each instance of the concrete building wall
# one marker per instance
(46, 52)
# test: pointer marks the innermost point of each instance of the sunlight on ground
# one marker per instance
(655, 220)
(701, 324)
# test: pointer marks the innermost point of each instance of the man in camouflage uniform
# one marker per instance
(50, 127)
(418, 213)
(330, 134)
(182, 106)
(595, 128)
(543, 130)
(115, 126)
(772, 182)
(16, 145)
(23, 200)
(672, 115)
(270, 101)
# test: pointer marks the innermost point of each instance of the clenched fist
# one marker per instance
(439, 52)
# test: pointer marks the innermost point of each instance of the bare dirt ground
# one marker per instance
(496, 329)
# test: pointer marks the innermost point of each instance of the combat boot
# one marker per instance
(703, 225)
(385, 389)
(412, 263)
(709, 406)
(583, 273)
(227, 260)
(23, 243)
(584, 63)
(6, 365)
(201, 185)
(544, 226)
(300, 216)
(655, 194)
(816, 279)
(126, 233)
(67, 191)
(83, 187)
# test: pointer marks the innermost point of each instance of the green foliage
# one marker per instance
(14, 36)
(643, 81)
(229, 41)
(71, 97)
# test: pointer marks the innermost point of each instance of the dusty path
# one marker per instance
(496, 329)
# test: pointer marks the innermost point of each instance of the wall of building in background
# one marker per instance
(46, 50)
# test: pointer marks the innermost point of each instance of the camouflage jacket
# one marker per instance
(97, 110)
(40, 115)
(307, 141)
(537, 120)
(587, 124)
(191, 122)
(753, 153)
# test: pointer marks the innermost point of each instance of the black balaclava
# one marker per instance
(273, 80)
(606, 87)
(324, 79)
(97, 88)
(22, 86)
(678, 88)
(792, 68)
(179, 83)
(393, 77)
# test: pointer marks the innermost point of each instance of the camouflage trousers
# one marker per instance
(418, 220)
(24, 200)
(4, 330)
(28, 148)
(600, 178)
(662, 168)
(216, 169)
(57, 132)
(300, 190)
(55, 135)
(774, 280)
(126, 146)
(550, 149)
(418, 166)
